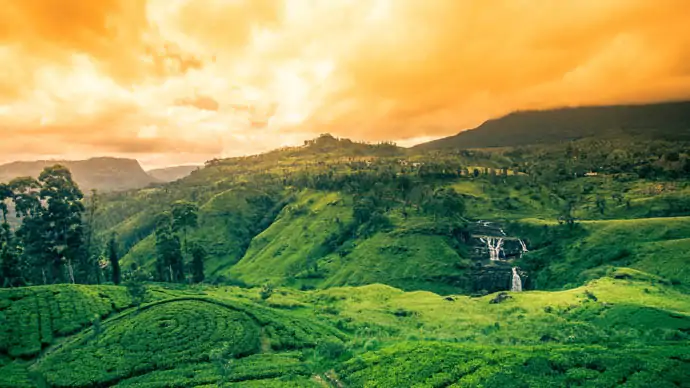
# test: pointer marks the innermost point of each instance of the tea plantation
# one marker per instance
(615, 331)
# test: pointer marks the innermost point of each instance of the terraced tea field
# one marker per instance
(630, 329)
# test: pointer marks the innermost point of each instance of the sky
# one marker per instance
(172, 82)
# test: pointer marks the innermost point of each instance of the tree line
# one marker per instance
(56, 240)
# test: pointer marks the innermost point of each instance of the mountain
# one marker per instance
(103, 174)
(170, 174)
(665, 121)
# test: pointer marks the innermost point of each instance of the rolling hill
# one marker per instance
(169, 174)
(665, 121)
(103, 174)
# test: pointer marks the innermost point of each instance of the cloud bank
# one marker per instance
(179, 81)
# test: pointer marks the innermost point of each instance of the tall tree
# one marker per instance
(10, 272)
(198, 257)
(91, 248)
(114, 260)
(27, 205)
(62, 219)
(184, 216)
(169, 264)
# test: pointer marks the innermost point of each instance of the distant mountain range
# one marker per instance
(667, 121)
(102, 174)
(170, 174)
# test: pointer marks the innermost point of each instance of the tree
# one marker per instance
(136, 287)
(184, 216)
(567, 213)
(10, 273)
(52, 230)
(5, 194)
(10, 266)
(601, 204)
(198, 257)
(169, 263)
(114, 260)
(92, 250)
(30, 235)
(62, 216)
(363, 209)
(445, 202)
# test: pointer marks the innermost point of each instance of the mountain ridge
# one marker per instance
(172, 173)
(99, 173)
(664, 120)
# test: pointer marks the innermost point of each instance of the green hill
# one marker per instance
(667, 121)
(344, 264)
(287, 217)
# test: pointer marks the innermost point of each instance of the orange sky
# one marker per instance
(181, 81)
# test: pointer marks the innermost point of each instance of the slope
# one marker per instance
(668, 121)
(227, 222)
(169, 174)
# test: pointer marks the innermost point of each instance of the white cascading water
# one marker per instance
(517, 282)
(523, 246)
(494, 245)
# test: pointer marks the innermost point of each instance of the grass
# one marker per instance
(286, 247)
(654, 245)
(409, 261)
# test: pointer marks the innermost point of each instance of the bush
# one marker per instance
(266, 291)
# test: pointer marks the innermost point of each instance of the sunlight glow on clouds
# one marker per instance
(179, 81)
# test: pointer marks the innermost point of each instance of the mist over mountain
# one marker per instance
(664, 121)
(103, 173)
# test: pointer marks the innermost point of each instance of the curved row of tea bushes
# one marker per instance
(176, 339)
(30, 318)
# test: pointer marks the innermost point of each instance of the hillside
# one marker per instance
(102, 174)
(666, 121)
(608, 332)
(356, 214)
(170, 174)
(343, 264)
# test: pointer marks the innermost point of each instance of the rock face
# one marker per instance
(489, 241)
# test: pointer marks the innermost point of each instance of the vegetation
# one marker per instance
(346, 264)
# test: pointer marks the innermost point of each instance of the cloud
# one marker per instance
(435, 68)
(200, 102)
(170, 80)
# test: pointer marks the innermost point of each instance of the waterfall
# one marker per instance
(494, 245)
(523, 246)
(517, 282)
